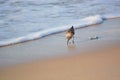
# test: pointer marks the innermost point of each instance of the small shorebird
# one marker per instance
(70, 34)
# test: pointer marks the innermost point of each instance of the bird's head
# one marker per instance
(72, 27)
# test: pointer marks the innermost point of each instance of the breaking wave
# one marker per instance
(91, 20)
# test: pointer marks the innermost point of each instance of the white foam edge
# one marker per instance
(111, 16)
(91, 20)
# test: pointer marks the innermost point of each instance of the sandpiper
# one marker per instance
(70, 34)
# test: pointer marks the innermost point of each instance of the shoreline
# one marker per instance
(85, 22)
(50, 59)
(45, 47)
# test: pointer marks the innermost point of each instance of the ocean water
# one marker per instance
(24, 20)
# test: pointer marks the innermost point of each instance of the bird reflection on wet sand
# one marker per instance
(71, 47)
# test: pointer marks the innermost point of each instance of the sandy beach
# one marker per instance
(87, 59)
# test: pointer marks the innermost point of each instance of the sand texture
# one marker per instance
(87, 59)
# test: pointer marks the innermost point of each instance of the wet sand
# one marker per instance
(97, 59)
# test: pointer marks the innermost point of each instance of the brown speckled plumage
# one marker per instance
(69, 34)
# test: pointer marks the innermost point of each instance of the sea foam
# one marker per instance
(91, 20)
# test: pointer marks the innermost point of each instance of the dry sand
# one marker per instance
(103, 64)
(92, 60)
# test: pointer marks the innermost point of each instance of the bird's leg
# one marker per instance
(67, 41)
(73, 39)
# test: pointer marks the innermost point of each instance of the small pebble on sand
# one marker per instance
(93, 38)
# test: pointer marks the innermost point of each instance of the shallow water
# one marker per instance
(19, 18)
